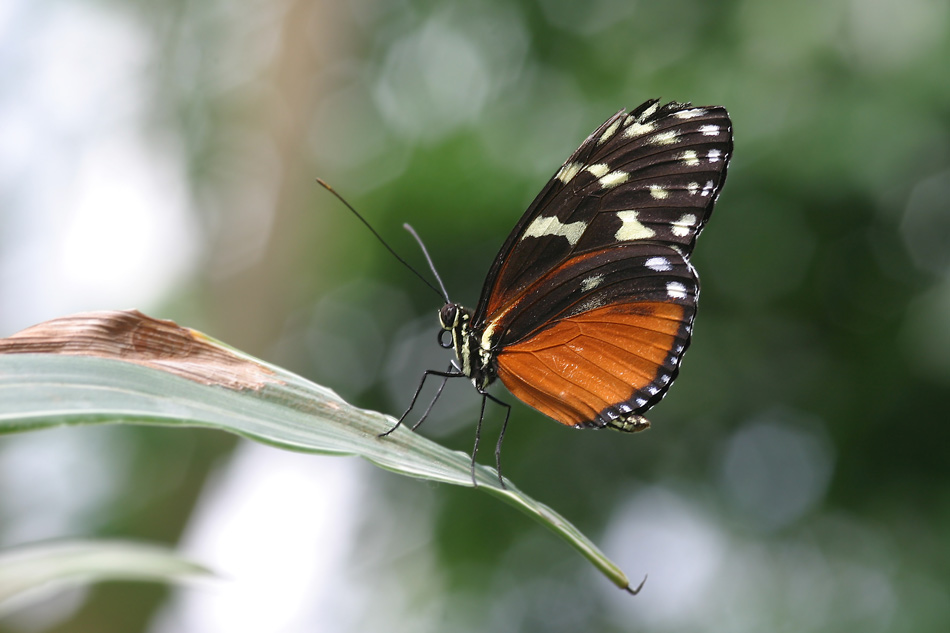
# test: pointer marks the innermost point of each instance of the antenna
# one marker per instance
(443, 294)
(412, 231)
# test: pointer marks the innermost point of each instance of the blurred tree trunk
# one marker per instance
(249, 307)
(247, 304)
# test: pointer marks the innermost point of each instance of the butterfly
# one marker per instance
(588, 307)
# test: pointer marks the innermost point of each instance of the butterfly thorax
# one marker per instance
(476, 358)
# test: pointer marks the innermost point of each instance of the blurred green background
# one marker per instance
(163, 155)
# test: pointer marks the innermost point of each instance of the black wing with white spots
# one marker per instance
(651, 175)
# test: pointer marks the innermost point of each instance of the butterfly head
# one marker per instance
(456, 320)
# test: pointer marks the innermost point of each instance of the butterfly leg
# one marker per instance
(501, 436)
(478, 437)
(445, 375)
(438, 393)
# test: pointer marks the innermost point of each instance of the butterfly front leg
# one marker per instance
(451, 372)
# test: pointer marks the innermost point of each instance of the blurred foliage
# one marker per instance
(797, 469)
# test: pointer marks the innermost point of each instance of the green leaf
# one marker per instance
(177, 377)
(30, 571)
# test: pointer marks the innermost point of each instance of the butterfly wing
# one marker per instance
(653, 174)
(599, 341)
(589, 306)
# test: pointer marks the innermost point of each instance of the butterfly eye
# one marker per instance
(448, 316)
(446, 344)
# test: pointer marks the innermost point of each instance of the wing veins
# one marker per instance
(574, 384)
(583, 334)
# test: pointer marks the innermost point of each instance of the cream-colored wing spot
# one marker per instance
(543, 227)
(632, 228)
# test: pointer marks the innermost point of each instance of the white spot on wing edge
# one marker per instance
(638, 129)
(614, 178)
(632, 229)
(692, 113)
(658, 192)
(692, 188)
(714, 155)
(707, 189)
(659, 264)
(610, 131)
(598, 169)
(709, 130)
(649, 111)
(567, 172)
(676, 290)
(684, 225)
(542, 227)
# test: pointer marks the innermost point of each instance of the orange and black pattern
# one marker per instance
(588, 308)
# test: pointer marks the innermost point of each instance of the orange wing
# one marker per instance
(601, 364)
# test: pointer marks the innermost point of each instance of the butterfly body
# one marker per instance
(588, 308)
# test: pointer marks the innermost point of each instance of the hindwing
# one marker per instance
(599, 338)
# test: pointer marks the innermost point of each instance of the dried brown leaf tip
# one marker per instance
(131, 336)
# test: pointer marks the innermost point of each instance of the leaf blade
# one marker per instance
(28, 572)
(290, 413)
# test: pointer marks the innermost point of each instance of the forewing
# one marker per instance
(650, 175)
(599, 340)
